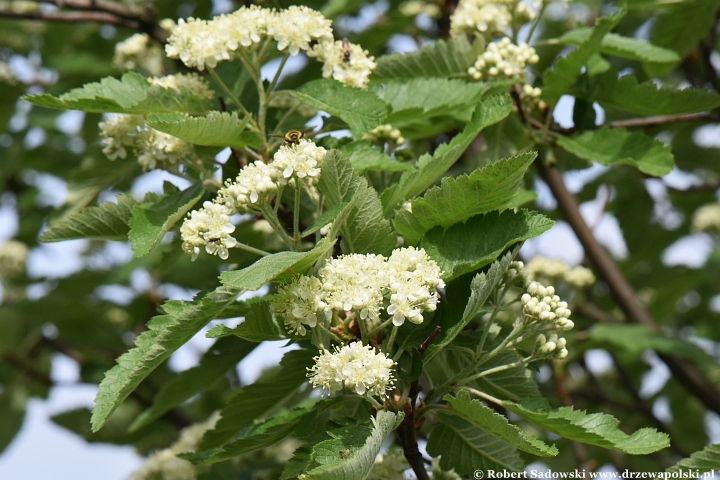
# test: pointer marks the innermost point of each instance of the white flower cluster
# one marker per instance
(204, 43)
(503, 59)
(257, 182)
(389, 466)
(540, 303)
(384, 133)
(552, 345)
(139, 51)
(190, 81)
(6, 74)
(412, 8)
(707, 218)
(361, 283)
(12, 258)
(543, 268)
(488, 18)
(151, 146)
(355, 367)
(345, 62)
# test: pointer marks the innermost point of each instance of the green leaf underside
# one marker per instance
(361, 109)
(326, 217)
(220, 129)
(107, 221)
(214, 364)
(364, 445)
(468, 246)
(431, 167)
(131, 94)
(492, 187)
(625, 93)
(254, 401)
(466, 448)
(150, 221)
(625, 47)
(444, 58)
(705, 460)
(364, 156)
(617, 146)
(365, 231)
(258, 326)
(497, 425)
(557, 81)
(480, 288)
(512, 384)
(594, 429)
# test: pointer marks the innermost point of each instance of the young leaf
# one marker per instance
(220, 358)
(625, 47)
(466, 448)
(131, 94)
(457, 199)
(468, 246)
(595, 429)
(497, 425)
(625, 93)
(219, 129)
(255, 400)
(258, 326)
(562, 76)
(365, 230)
(706, 460)
(617, 146)
(150, 221)
(444, 58)
(364, 156)
(361, 109)
(107, 221)
(431, 167)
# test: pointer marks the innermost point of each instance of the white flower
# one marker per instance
(542, 268)
(355, 367)
(413, 280)
(254, 183)
(482, 17)
(504, 59)
(161, 148)
(198, 43)
(297, 26)
(120, 131)
(300, 303)
(210, 226)
(139, 51)
(355, 282)
(389, 466)
(191, 81)
(302, 160)
(706, 218)
(12, 258)
(244, 27)
(345, 62)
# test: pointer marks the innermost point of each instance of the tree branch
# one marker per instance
(621, 290)
(661, 119)
(72, 17)
(408, 435)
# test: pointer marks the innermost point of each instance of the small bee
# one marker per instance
(293, 137)
(346, 50)
(344, 453)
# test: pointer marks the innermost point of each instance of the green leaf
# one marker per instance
(364, 156)
(492, 187)
(131, 94)
(165, 334)
(361, 109)
(254, 401)
(706, 460)
(466, 448)
(468, 246)
(444, 58)
(557, 81)
(325, 218)
(365, 230)
(625, 47)
(617, 146)
(497, 425)
(219, 129)
(625, 93)
(431, 167)
(595, 429)
(107, 221)
(258, 326)
(220, 358)
(150, 221)
(480, 288)
(12, 413)
(512, 384)
(363, 445)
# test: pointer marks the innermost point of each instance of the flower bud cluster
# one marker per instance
(355, 367)
(412, 8)
(488, 18)
(542, 304)
(551, 345)
(548, 269)
(384, 133)
(12, 258)
(504, 59)
(139, 52)
(707, 218)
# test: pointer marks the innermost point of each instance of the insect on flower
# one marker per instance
(346, 50)
(293, 137)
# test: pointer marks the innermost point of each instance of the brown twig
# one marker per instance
(408, 435)
(621, 290)
(72, 17)
(660, 120)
